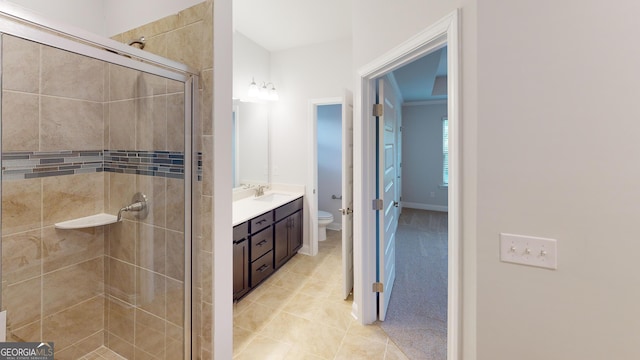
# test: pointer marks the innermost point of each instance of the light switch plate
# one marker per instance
(529, 250)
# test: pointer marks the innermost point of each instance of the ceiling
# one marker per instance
(425, 78)
(283, 24)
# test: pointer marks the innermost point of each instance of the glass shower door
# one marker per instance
(80, 136)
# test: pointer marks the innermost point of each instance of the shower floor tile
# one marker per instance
(102, 353)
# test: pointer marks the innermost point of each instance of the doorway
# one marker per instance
(339, 135)
(329, 125)
(416, 318)
(443, 33)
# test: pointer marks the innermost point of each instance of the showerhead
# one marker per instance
(141, 41)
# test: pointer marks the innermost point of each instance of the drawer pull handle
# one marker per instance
(261, 243)
(261, 221)
(263, 268)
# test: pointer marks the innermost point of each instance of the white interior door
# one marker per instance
(347, 193)
(398, 114)
(387, 192)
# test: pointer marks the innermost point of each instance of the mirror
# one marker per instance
(251, 63)
(250, 143)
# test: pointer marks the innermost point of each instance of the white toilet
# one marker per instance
(324, 219)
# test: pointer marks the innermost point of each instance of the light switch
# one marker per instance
(529, 250)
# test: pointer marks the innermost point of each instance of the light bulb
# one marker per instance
(264, 92)
(253, 89)
(273, 94)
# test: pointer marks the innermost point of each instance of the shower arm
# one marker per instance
(138, 205)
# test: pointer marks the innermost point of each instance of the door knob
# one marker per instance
(395, 203)
(346, 211)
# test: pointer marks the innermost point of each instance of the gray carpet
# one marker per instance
(417, 316)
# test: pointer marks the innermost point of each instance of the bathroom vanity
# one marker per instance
(267, 233)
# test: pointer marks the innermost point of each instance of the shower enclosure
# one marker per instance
(84, 128)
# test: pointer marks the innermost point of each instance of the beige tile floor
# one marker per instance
(298, 313)
(102, 353)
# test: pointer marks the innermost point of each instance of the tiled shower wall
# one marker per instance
(119, 285)
(187, 37)
(52, 280)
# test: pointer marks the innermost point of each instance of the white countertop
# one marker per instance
(250, 207)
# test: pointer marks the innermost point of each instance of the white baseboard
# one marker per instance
(419, 206)
(304, 250)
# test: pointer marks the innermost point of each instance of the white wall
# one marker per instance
(250, 61)
(558, 149)
(85, 14)
(330, 161)
(302, 74)
(422, 156)
(550, 153)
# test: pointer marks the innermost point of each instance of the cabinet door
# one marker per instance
(240, 268)
(281, 244)
(295, 232)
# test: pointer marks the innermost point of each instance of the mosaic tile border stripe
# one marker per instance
(152, 163)
(34, 164)
(20, 165)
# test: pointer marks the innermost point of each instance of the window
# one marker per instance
(445, 151)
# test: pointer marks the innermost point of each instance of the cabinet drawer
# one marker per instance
(240, 231)
(261, 222)
(261, 268)
(261, 243)
(288, 209)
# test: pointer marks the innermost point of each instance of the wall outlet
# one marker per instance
(529, 250)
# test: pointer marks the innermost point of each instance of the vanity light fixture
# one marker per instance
(265, 92)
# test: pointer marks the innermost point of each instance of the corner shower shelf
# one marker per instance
(87, 222)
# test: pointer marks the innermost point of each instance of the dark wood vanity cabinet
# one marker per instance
(288, 235)
(261, 255)
(240, 260)
(263, 244)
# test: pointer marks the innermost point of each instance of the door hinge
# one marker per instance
(378, 204)
(378, 287)
(400, 128)
(378, 110)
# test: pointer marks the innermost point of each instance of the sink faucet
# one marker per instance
(259, 190)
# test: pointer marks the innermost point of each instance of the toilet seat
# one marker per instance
(324, 215)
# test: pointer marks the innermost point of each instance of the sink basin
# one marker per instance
(273, 197)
